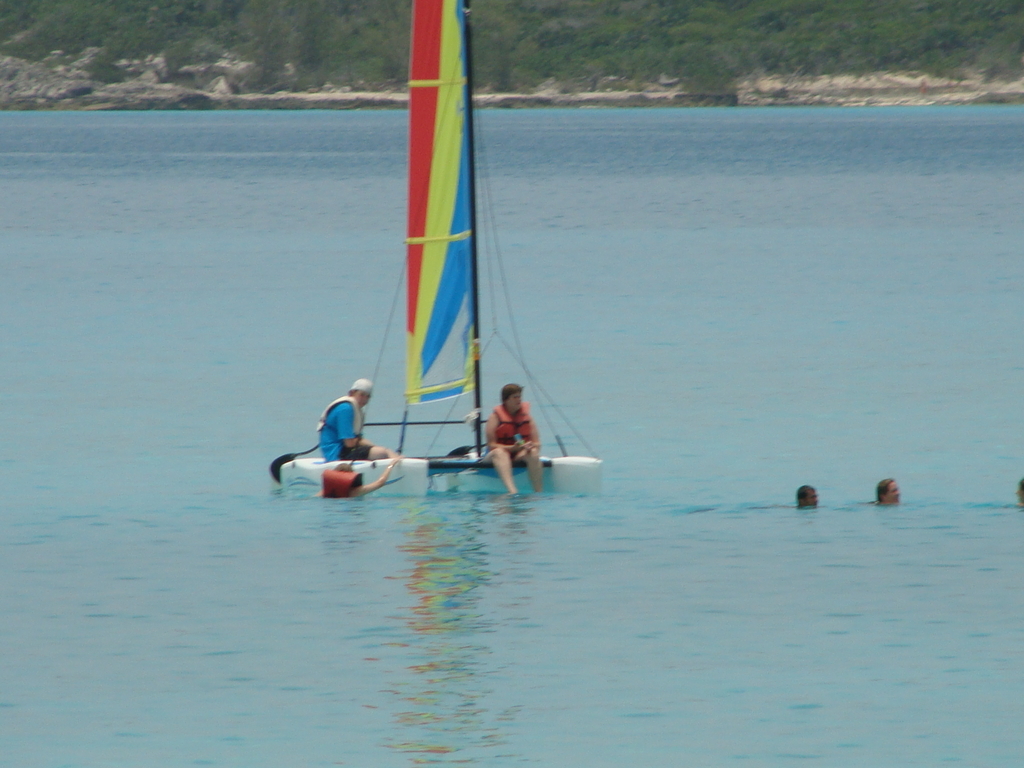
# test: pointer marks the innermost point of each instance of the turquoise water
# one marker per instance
(727, 303)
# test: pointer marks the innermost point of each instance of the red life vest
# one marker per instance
(339, 485)
(509, 426)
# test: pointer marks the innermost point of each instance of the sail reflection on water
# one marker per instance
(443, 695)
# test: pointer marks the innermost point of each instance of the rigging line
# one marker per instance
(499, 258)
(437, 436)
(391, 317)
(540, 389)
(517, 354)
(487, 344)
(491, 233)
(533, 382)
(488, 232)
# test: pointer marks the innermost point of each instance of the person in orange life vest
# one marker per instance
(512, 435)
(341, 427)
(341, 482)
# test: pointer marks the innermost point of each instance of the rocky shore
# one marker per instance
(877, 89)
(60, 83)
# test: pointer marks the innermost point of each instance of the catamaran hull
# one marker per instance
(573, 475)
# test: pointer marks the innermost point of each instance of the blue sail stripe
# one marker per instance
(454, 287)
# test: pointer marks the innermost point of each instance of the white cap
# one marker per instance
(363, 385)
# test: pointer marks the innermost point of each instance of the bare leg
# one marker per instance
(503, 466)
(377, 451)
(535, 470)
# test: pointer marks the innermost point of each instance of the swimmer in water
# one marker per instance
(887, 493)
(341, 482)
(806, 496)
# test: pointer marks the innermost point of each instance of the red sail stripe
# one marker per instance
(425, 64)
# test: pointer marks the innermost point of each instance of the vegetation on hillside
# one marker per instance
(707, 44)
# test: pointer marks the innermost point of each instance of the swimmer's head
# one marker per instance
(887, 492)
(806, 496)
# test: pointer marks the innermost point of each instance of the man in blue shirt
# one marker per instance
(341, 427)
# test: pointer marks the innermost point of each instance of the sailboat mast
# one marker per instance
(474, 273)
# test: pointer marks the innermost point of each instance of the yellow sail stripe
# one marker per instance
(436, 83)
(467, 384)
(439, 238)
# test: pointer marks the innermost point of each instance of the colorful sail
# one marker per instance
(441, 326)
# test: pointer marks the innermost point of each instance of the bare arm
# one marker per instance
(379, 482)
(535, 442)
(351, 442)
(491, 431)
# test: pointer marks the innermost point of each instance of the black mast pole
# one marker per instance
(475, 342)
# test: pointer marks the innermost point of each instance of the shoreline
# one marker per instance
(28, 86)
(878, 89)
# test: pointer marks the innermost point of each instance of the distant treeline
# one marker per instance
(706, 44)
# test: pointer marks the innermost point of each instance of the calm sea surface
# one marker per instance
(726, 303)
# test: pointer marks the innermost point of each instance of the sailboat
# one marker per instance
(442, 307)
